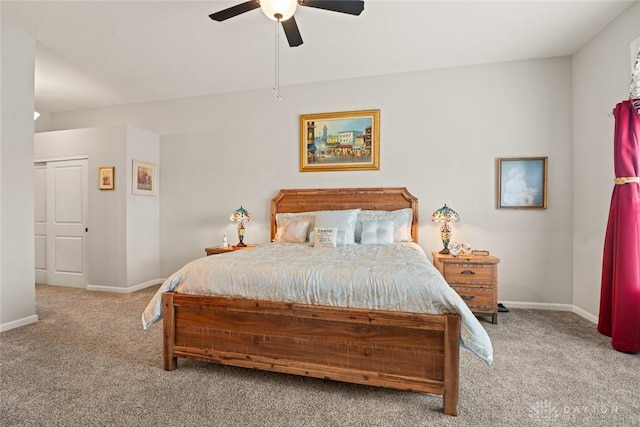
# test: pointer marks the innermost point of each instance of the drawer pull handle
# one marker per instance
(468, 272)
(468, 297)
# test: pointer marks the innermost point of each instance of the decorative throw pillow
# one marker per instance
(325, 237)
(283, 219)
(294, 232)
(344, 221)
(377, 232)
(402, 219)
(339, 238)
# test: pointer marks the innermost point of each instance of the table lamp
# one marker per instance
(240, 215)
(445, 215)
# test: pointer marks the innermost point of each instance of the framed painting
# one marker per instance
(522, 183)
(342, 141)
(106, 177)
(144, 178)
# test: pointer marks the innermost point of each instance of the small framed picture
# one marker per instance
(522, 183)
(106, 177)
(144, 178)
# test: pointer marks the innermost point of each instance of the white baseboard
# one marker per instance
(552, 306)
(128, 290)
(538, 305)
(585, 314)
(18, 323)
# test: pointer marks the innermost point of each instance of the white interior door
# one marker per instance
(40, 221)
(67, 209)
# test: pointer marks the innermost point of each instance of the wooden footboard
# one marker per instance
(406, 351)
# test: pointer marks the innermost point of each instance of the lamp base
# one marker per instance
(240, 235)
(445, 251)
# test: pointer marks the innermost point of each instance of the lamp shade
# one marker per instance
(240, 215)
(279, 10)
(445, 214)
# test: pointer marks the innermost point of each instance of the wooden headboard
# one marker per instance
(322, 199)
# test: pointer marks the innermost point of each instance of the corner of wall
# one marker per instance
(17, 247)
(601, 74)
(143, 212)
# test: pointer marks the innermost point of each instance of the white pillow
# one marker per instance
(293, 232)
(283, 219)
(377, 232)
(339, 238)
(325, 237)
(402, 219)
(344, 221)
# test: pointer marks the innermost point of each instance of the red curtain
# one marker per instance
(619, 315)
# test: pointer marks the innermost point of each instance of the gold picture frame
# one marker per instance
(522, 183)
(342, 141)
(144, 178)
(106, 177)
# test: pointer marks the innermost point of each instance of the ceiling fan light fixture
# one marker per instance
(279, 10)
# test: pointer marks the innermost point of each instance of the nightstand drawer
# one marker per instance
(469, 273)
(477, 298)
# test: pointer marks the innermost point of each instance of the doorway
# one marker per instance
(60, 227)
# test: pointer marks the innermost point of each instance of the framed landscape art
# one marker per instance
(342, 141)
(522, 183)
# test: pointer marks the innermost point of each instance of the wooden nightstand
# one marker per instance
(215, 250)
(474, 278)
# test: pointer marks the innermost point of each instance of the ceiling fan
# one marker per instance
(283, 10)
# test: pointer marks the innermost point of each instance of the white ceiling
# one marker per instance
(94, 53)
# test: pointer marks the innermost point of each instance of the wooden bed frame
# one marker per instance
(406, 351)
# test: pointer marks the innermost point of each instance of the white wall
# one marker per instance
(143, 213)
(112, 214)
(601, 79)
(441, 132)
(17, 259)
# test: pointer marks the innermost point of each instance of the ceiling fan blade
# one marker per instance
(291, 30)
(235, 10)
(352, 7)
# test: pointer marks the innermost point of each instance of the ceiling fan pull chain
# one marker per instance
(276, 87)
(275, 61)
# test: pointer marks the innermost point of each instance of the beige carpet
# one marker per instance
(88, 362)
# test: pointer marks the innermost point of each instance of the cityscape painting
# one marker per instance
(348, 140)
